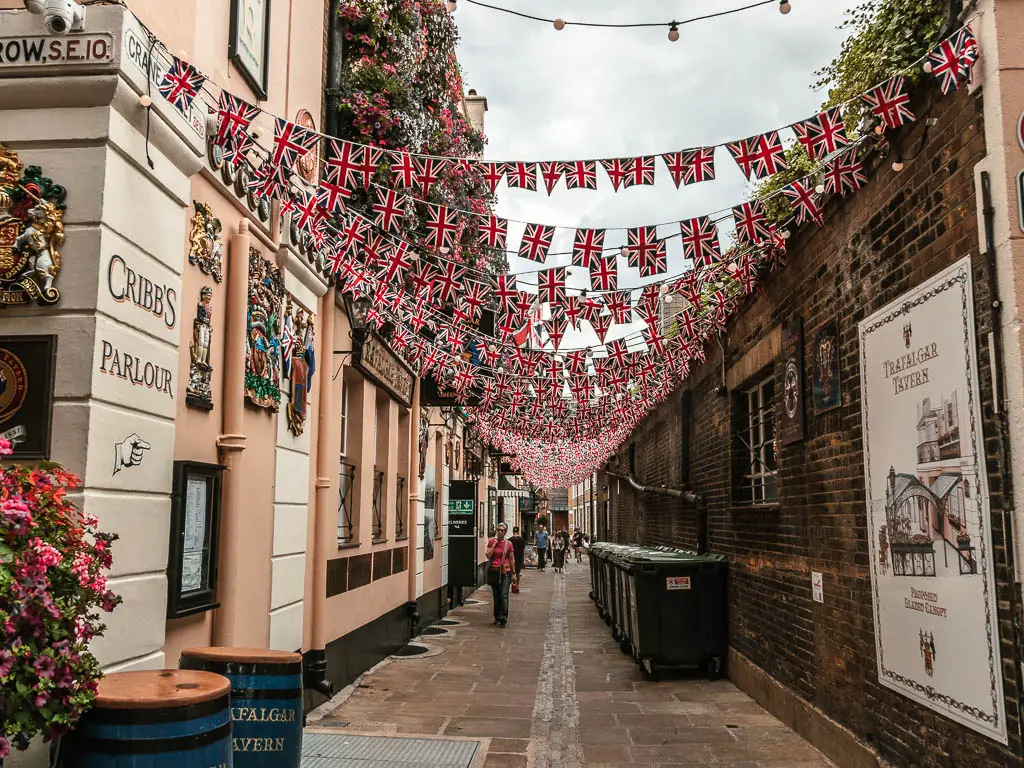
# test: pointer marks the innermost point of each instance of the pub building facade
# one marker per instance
(180, 348)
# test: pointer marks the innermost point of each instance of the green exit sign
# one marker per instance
(460, 506)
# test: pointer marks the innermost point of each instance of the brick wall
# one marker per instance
(876, 245)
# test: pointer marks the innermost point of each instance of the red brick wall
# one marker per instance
(876, 245)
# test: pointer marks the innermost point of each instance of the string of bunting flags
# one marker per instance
(559, 411)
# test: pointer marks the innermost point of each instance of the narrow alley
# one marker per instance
(550, 690)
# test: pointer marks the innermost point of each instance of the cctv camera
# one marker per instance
(35, 6)
(63, 16)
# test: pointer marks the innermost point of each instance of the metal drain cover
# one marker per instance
(329, 750)
(435, 631)
(411, 650)
(449, 623)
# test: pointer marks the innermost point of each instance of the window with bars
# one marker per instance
(346, 479)
(344, 418)
(378, 504)
(755, 477)
(400, 508)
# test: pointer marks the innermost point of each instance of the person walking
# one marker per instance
(577, 545)
(501, 571)
(558, 547)
(519, 550)
(542, 547)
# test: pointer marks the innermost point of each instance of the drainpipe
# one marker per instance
(315, 659)
(335, 60)
(688, 496)
(231, 441)
(412, 603)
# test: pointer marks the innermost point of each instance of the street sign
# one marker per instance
(462, 533)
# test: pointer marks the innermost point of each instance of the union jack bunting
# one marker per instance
(551, 286)
(536, 242)
(641, 172)
(341, 162)
(889, 102)
(448, 280)
(948, 61)
(620, 304)
(307, 213)
(291, 141)
(442, 224)
(601, 324)
(403, 170)
(428, 173)
(493, 173)
(181, 84)
(366, 165)
(556, 329)
(580, 174)
(822, 134)
(646, 250)
(700, 241)
(573, 310)
(691, 166)
(388, 210)
(590, 306)
(353, 235)
(845, 173)
(587, 245)
(269, 180)
(603, 273)
(617, 170)
(551, 173)
(235, 149)
(504, 291)
(493, 232)
(759, 156)
(332, 196)
(751, 224)
(804, 200)
(521, 176)
(234, 117)
(374, 249)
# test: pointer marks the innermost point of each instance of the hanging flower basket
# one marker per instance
(52, 591)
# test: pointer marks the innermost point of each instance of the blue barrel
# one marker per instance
(266, 702)
(155, 719)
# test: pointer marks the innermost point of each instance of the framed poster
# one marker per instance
(825, 362)
(930, 541)
(195, 522)
(249, 46)
(791, 426)
(26, 394)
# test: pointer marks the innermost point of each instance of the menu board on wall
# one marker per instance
(195, 546)
(930, 541)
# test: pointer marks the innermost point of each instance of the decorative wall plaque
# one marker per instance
(31, 233)
(298, 348)
(309, 163)
(374, 358)
(791, 425)
(26, 394)
(263, 342)
(206, 242)
(825, 354)
(198, 392)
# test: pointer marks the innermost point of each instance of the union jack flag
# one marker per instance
(700, 241)
(580, 174)
(551, 173)
(551, 286)
(403, 170)
(759, 156)
(822, 134)
(804, 200)
(388, 210)
(493, 173)
(291, 141)
(236, 148)
(603, 273)
(601, 325)
(366, 165)
(587, 245)
(646, 250)
(845, 173)
(448, 280)
(353, 235)
(521, 176)
(620, 304)
(428, 173)
(234, 117)
(536, 242)
(441, 225)
(691, 166)
(617, 169)
(952, 59)
(751, 223)
(181, 84)
(309, 216)
(968, 51)
(556, 329)
(505, 291)
(888, 102)
(341, 162)
(269, 181)
(493, 233)
(641, 172)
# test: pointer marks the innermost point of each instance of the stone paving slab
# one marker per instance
(553, 690)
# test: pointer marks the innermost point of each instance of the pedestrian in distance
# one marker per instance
(501, 571)
(519, 550)
(558, 546)
(542, 547)
(577, 545)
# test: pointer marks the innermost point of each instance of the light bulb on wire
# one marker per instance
(897, 164)
(452, 6)
(559, 24)
(673, 32)
(784, 7)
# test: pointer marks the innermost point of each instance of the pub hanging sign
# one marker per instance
(374, 358)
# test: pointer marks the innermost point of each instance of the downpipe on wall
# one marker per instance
(690, 497)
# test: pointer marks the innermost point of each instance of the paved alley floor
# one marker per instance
(552, 690)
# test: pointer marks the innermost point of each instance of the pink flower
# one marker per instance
(5, 748)
(6, 662)
(45, 666)
(5, 450)
(47, 555)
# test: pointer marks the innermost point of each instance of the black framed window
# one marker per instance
(400, 508)
(755, 476)
(195, 526)
(346, 479)
(378, 504)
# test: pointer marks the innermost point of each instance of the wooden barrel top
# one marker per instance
(159, 688)
(243, 655)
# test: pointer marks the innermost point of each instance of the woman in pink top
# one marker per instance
(501, 570)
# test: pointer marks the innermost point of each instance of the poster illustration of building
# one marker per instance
(932, 575)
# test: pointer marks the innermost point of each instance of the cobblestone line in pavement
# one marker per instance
(554, 735)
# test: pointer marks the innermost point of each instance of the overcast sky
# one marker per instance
(592, 93)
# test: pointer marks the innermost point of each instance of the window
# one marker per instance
(400, 507)
(378, 504)
(346, 479)
(344, 418)
(754, 465)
